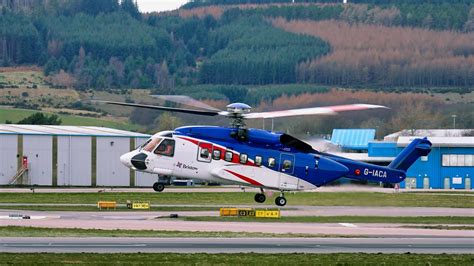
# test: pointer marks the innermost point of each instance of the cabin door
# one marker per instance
(287, 169)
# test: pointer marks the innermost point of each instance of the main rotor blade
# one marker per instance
(186, 100)
(164, 108)
(326, 110)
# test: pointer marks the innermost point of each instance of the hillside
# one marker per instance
(232, 42)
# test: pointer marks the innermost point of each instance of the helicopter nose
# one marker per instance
(125, 159)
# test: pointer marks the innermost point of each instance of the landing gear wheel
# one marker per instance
(280, 201)
(158, 187)
(260, 197)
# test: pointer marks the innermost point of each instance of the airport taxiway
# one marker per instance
(238, 245)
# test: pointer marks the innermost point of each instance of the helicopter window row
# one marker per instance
(243, 159)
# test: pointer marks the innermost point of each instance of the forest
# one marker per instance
(108, 44)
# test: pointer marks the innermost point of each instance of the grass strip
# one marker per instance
(242, 198)
(94, 208)
(237, 259)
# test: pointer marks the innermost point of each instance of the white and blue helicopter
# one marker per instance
(255, 157)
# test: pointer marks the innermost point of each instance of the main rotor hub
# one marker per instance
(238, 108)
(236, 113)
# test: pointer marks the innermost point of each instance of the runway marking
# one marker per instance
(348, 225)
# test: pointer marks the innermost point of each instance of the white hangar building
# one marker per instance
(68, 156)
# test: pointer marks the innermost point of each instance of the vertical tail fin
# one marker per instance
(416, 149)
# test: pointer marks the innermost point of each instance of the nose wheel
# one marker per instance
(158, 187)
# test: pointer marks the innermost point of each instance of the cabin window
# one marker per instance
(271, 162)
(166, 148)
(205, 154)
(286, 165)
(243, 158)
(258, 160)
(228, 156)
(216, 155)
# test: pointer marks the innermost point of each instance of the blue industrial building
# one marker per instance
(450, 165)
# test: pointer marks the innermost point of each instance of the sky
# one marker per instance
(159, 5)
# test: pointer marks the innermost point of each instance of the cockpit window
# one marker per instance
(166, 148)
(143, 144)
(150, 145)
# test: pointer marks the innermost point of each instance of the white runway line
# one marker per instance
(348, 225)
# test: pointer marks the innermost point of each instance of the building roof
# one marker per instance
(14, 129)
(355, 139)
(429, 133)
(440, 141)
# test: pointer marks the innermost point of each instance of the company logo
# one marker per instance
(184, 166)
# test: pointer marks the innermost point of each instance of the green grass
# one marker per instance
(239, 198)
(343, 219)
(16, 115)
(119, 209)
(24, 231)
(237, 259)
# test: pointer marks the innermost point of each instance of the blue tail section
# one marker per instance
(416, 149)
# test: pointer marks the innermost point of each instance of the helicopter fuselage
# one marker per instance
(251, 157)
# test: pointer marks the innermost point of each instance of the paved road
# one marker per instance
(345, 229)
(239, 245)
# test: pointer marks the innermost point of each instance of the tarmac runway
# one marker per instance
(238, 245)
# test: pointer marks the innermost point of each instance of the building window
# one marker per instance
(271, 162)
(461, 160)
(469, 160)
(216, 155)
(258, 160)
(243, 158)
(228, 156)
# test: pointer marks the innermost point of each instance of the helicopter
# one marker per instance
(255, 157)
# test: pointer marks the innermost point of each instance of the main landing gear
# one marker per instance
(260, 197)
(279, 201)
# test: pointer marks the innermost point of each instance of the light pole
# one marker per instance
(454, 121)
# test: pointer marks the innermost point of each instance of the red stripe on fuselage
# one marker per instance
(246, 179)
